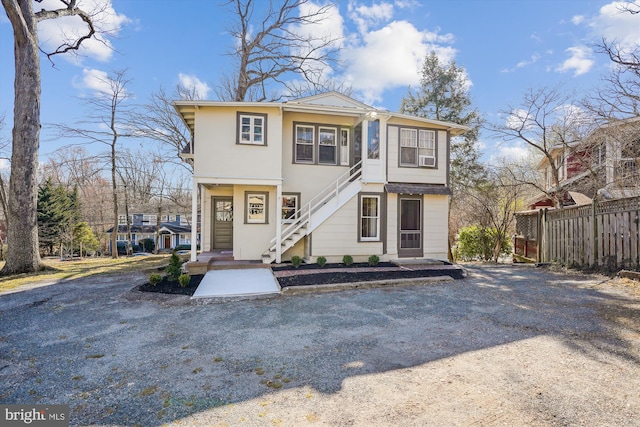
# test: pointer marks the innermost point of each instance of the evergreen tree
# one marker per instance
(444, 95)
(58, 215)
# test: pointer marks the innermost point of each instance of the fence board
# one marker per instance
(605, 234)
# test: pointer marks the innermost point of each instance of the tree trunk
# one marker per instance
(22, 230)
(114, 189)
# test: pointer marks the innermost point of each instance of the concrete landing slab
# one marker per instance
(236, 283)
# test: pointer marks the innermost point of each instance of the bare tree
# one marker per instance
(548, 122)
(159, 121)
(288, 39)
(23, 254)
(106, 123)
(492, 204)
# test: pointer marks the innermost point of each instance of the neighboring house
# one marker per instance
(603, 166)
(319, 176)
(175, 230)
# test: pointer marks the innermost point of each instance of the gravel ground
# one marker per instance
(509, 345)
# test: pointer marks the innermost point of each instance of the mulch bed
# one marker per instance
(173, 287)
(312, 274)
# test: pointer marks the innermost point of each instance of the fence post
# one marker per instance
(594, 230)
(540, 234)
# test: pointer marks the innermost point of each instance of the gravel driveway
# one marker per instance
(509, 345)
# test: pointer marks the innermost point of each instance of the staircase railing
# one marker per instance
(303, 215)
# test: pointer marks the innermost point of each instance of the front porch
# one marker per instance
(220, 259)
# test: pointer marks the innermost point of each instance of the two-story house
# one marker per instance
(604, 166)
(324, 175)
(175, 230)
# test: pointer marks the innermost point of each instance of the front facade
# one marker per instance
(320, 176)
(175, 231)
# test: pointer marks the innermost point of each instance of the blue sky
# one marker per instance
(506, 46)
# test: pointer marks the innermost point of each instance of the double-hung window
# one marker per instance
(305, 137)
(290, 207)
(408, 147)
(369, 218)
(327, 146)
(317, 144)
(251, 129)
(417, 148)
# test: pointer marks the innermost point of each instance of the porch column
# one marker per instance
(279, 223)
(194, 221)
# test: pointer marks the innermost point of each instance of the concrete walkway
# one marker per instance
(237, 282)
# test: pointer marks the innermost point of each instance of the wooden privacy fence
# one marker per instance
(600, 235)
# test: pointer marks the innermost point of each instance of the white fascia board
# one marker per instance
(237, 180)
(451, 126)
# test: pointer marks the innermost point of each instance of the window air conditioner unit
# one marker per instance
(427, 161)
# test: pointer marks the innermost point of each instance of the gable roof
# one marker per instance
(330, 99)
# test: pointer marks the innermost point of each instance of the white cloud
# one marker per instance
(193, 83)
(391, 57)
(4, 164)
(579, 61)
(97, 81)
(52, 33)
(505, 153)
(578, 19)
(613, 23)
(518, 119)
(366, 16)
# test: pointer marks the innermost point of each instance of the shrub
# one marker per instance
(477, 242)
(154, 279)
(321, 261)
(347, 260)
(296, 261)
(374, 260)
(147, 245)
(174, 270)
(184, 280)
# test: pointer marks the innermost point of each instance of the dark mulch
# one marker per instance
(170, 287)
(311, 274)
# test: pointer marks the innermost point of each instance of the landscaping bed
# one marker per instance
(173, 287)
(312, 274)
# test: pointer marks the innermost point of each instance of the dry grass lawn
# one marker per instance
(61, 270)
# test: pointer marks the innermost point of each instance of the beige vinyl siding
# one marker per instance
(218, 154)
(435, 226)
(392, 225)
(338, 236)
(416, 174)
(250, 240)
(309, 179)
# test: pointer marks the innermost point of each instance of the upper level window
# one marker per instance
(252, 129)
(327, 148)
(122, 219)
(417, 147)
(373, 144)
(304, 143)
(316, 144)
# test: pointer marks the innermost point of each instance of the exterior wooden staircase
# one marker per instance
(314, 213)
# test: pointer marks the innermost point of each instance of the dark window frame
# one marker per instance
(239, 141)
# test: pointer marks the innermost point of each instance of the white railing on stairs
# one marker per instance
(303, 215)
